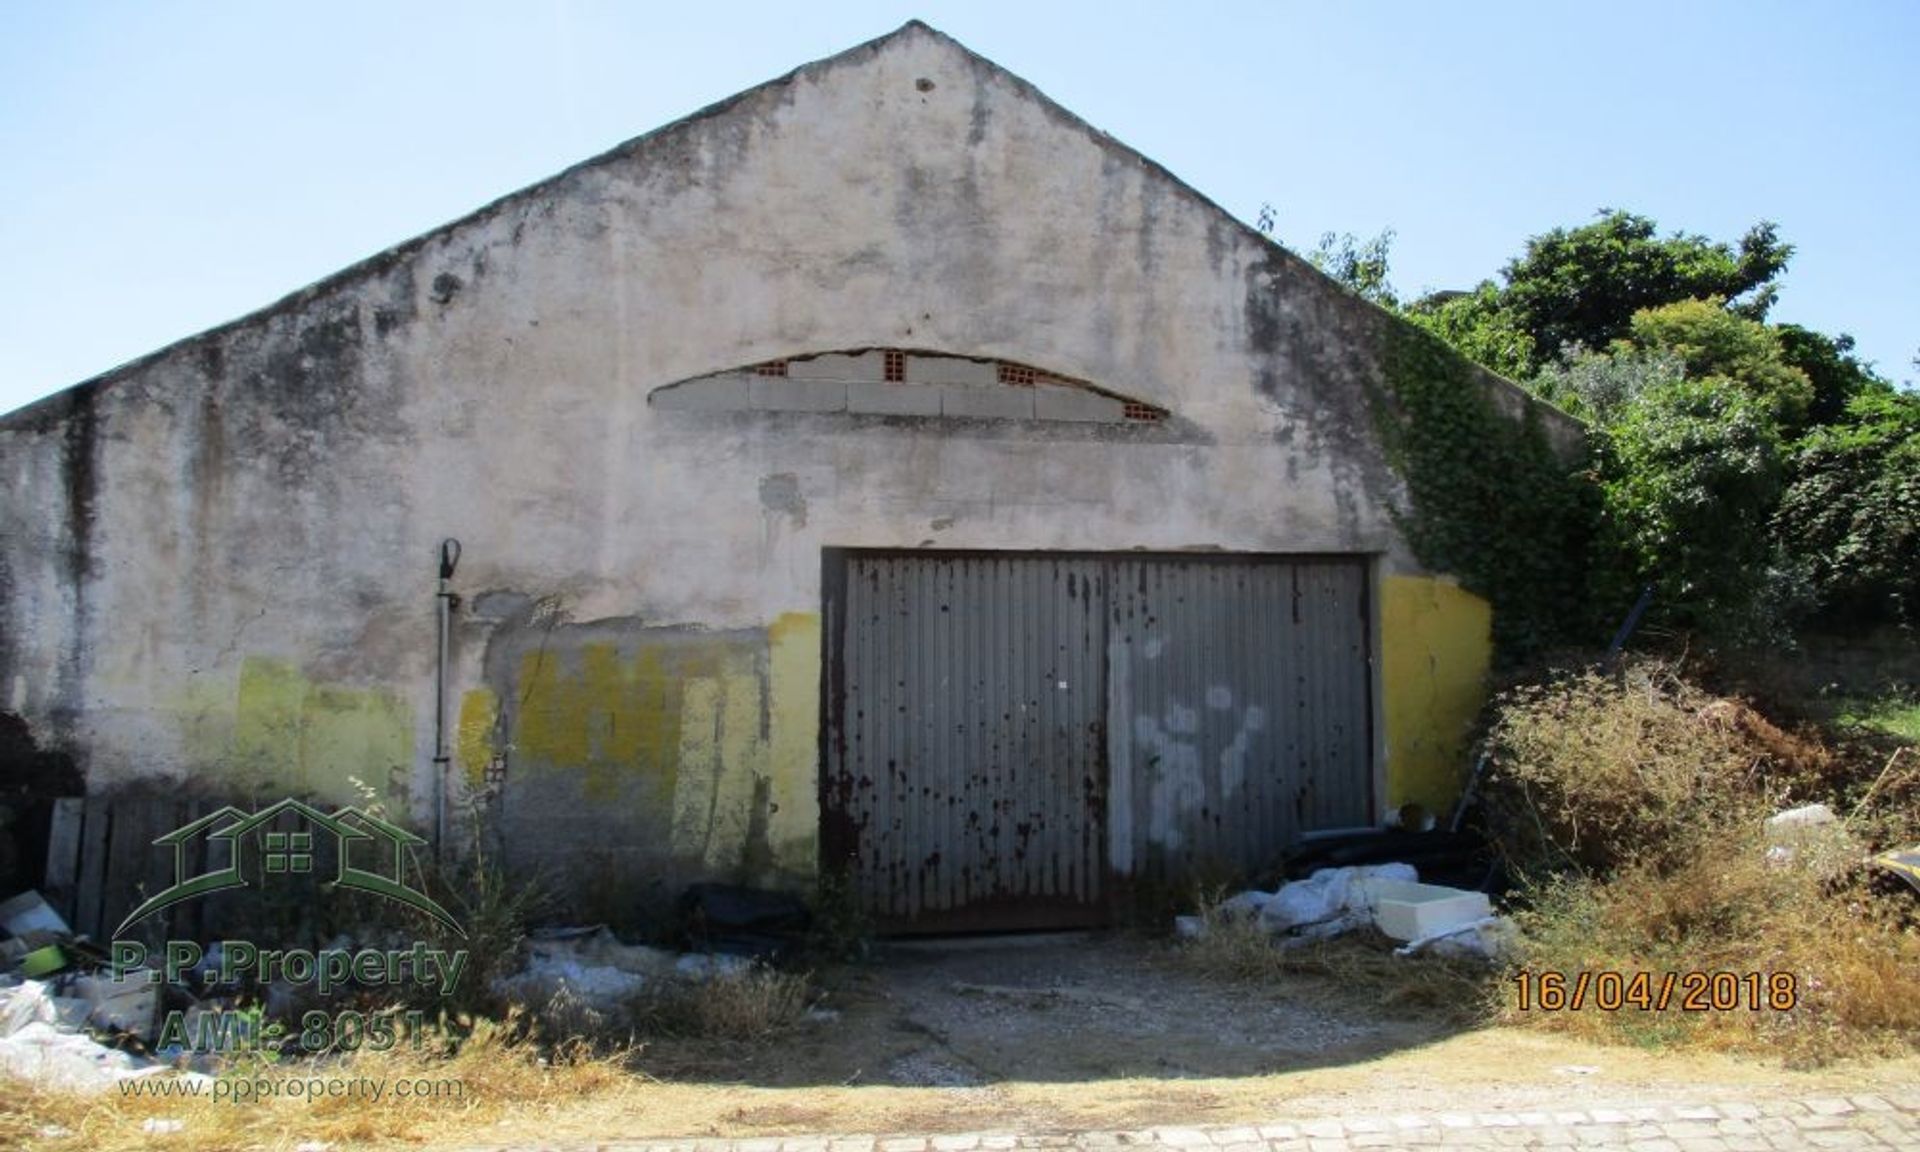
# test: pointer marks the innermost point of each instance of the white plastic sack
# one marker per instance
(42, 1053)
(1327, 895)
(1490, 938)
(25, 1003)
(601, 987)
(1245, 905)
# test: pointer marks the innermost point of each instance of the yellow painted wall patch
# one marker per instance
(473, 740)
(1436, 648)
(293, 735)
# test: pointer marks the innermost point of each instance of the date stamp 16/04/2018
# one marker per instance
(1687, 991)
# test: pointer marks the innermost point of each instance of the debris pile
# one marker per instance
(1387, 897)
(57, 1003)
(590, 966)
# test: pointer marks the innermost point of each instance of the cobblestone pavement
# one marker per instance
(1887, 1121)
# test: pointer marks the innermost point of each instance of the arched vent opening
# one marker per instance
(903, 382)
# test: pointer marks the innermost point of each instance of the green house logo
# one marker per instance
(282, 851)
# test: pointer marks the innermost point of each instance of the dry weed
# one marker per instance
(1636, 805)
(1854, 974)
(1590, 770)
(754, 1005)
(1356, 968)
(491, 1077)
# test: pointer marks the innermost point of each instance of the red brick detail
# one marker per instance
(895, 367)
(771, 368)
(1146, 412)
(1017, 374)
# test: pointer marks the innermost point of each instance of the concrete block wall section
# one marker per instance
(784, 394)
(868, 398)
(952, 370)
(1051, 402)
(996, 403)
(837, 366)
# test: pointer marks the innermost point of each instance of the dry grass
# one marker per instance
(1855, 970)
(1635, 808)
(1358, 968)
(756, 1005)
(499, 1078)
(1590, 771)
(554, 1060)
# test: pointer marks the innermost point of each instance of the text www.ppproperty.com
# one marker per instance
(244, 1090)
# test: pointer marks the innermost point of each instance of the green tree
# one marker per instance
(1661, 344)
(1598, 386)
(1713, 343)
(1360, 265)
(1852, 510)
(1837, 376)
(1480, 327)
(1689, 476)
(1582, 286)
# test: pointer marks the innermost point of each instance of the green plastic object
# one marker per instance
(42, 962)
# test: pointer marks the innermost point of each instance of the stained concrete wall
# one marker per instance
(218, 560)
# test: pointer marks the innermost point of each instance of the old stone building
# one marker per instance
(880, 469)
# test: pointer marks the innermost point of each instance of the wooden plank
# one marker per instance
(137, 822)
(63, 854)
(185, 919)
(93, 869)
(123, 862)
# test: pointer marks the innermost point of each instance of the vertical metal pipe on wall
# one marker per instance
(444, 600)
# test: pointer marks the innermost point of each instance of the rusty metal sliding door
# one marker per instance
(1240, 710)
(1007, 733)
(971, 774)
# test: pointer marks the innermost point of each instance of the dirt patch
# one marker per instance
(1059, 1035)
(1116, 1032)
(968, 1015)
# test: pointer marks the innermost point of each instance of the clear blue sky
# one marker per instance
(167, 167)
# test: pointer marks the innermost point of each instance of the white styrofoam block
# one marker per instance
(1405, 910)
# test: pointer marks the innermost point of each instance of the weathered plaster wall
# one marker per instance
(219, 560)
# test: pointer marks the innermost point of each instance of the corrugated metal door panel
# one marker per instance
(1239, 706)
(968, 775)
(1334, 604)
(1008, 730)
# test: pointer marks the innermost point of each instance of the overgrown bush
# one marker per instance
(495, 911)
(1598, 386)
(1846, 965)
(1689, 475)
(1852, 510)
(1634, 808)
(1591, 770)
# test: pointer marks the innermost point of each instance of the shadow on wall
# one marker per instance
(30, 781)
